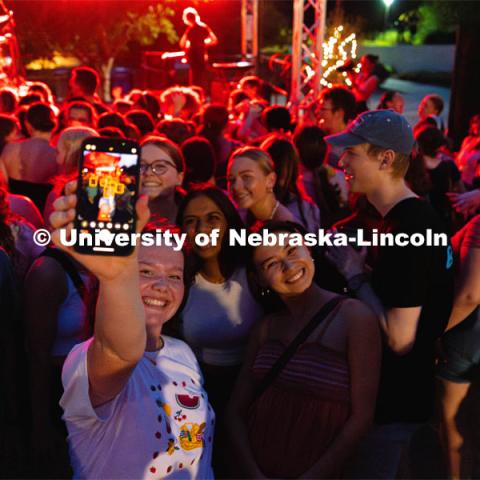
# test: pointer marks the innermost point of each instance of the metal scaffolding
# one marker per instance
(307, 45)
(249, 17)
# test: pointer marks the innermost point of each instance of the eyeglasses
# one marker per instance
(157, 168)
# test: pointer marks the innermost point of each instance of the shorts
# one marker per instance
(461, 347)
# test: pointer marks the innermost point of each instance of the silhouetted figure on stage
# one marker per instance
(197, 38)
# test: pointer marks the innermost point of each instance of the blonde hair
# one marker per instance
(70, 141)
(259, 156)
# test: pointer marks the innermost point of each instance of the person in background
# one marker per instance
(80, 114)
(199, 162)
(460, 360)
(392, 100)
(68, 160)
(468, 157)
(306, 421)
(251, 182)
(335, 109)
(431, 108)
(366, 82)
(196, 40)
(29, 165)
(442, 172)
(325, 184)
(214, 128)
(8, 100)
(288, 188)
(84, 82)
(162, 169)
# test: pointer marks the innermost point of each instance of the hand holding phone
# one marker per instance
(104, 268)
(107, 191)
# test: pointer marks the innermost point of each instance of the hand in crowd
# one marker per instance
(103, 267)
(466, 203)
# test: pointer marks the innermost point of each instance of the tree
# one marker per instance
(95, 32)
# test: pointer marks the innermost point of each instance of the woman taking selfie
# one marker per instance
(251, 182)
(134, 403)
(303, 418)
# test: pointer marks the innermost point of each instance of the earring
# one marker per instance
(265, 292)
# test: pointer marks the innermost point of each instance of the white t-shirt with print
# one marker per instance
(159, 426)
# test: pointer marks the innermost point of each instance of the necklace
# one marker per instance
(274, 211)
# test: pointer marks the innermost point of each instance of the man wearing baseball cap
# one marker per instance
(410, 288)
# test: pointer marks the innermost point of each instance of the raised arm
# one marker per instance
(120, 335)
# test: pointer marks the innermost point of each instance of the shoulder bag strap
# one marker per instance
(280, 364)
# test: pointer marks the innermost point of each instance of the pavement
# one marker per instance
(413, 94)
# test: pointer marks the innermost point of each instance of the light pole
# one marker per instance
(388, 4)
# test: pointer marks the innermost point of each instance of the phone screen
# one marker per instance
(106, 196)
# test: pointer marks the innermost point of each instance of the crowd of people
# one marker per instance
(273, 361)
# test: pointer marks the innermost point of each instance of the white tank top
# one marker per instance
(218, 318)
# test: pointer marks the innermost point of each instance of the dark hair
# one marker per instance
(8, 100)
(8, 123)
(341, 98)
(87, 79)
(41, 117)
(277, 118)
(142, 120)
(215, 119)
(43, 89)
(236, 97)
(286, 160)
(110, 119)
(29, 99)
(81, 105)
(417, 176)
(122, 106)
(172, 150)
(131, 131)
(251, 81)
(385, 98)
(311, 146)
(199, 160)
(231, 257)
(177, 130)
(111, 132)
(430, 140)
(437, 101)
(149, 103)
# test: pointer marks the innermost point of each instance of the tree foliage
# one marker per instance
(92, 31)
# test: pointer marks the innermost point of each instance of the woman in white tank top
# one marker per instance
(221, 310)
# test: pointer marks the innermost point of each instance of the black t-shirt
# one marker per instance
(409, 277)
(197, 35)
(443, 179)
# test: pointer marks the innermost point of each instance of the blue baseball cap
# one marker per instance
(384, 128)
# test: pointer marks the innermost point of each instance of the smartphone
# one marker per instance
(108, 184)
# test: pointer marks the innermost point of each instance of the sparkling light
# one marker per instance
(337, 50)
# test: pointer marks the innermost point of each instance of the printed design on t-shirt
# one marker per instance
(449, 257)
(180, 416)
(191, 402)
(191, 435)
